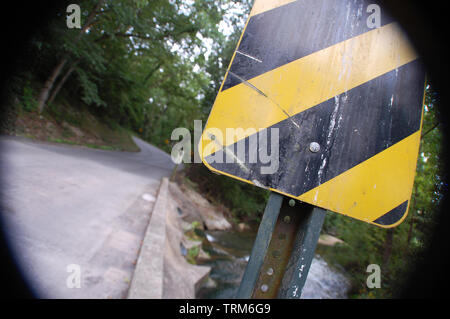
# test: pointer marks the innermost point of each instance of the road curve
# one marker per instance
(75, 216)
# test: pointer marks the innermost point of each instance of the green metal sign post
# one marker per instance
(283, 250)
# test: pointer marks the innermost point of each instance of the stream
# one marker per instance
(230, 251)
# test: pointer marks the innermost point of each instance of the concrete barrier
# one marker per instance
(147, 282)
(181, 279)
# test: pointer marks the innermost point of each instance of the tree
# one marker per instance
(43, 95)
(122, 47)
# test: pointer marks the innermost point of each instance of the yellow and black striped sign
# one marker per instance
(339, 85)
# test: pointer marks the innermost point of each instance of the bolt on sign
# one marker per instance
(322, 102)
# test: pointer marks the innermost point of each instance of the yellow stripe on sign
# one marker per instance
(261, 6)
(306, 82)
(374, 187)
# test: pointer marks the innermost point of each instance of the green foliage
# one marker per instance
(63, 113)
(28, 101)
(62, 141)
(89, 88)
(143, 64)
(192, 254)
(195, 224)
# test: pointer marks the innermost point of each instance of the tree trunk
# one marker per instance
(411, 220)
(48, 85)
(388, 248)
(153, 71)
(411, 227)
(61, 82)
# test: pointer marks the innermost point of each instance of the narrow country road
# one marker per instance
(71, 208)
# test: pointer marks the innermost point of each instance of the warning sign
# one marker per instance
(322, 102)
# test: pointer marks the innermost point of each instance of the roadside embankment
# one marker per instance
(166, 264)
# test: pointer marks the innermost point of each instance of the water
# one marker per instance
(324, 282)
(230, 252)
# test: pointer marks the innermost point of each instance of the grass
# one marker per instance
(69, 142)
(102, 147)
(62, 141)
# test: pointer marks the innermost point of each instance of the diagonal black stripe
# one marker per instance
(295, 30)
(350, 129)
(393, 215)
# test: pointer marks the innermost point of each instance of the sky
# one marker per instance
(233, 9)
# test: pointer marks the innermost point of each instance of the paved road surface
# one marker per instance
(87, 208)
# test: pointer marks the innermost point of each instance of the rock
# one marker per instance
(197, 208)
(214, 222)
(325, 282)
(241, 227)
(328, 240)
(210, 283)
(202, 256)
(181, 279)
(148, 197)
(189, 244)
(212, 218)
